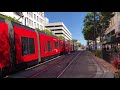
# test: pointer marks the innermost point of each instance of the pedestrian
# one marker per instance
(107, 48)
(104, 48)
(115, 49)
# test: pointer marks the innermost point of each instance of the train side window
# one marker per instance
(27, 46)
(49, 47)
(66, 45)
(45, 49)
(31, 46)
(24, 41)
(56, 44)
(61, 44)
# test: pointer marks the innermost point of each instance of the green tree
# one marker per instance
(102, 21)
(61, 37)
(45, 31)
(37, 29)
(48, 32)
(79, 44)
(9, 18)
(88, 29)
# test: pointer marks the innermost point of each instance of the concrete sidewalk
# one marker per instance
(109, 70)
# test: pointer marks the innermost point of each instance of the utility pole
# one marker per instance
(95, 43)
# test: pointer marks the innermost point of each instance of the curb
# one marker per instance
(105, 64)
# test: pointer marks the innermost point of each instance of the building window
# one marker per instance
(31, 14)
(34, 16)
(28, 21)
(37, 25)
(27, 46)
(42, 14)
(34, 24)
(40, 20)
(37, 12)
(40, 27)
(37, 18)
(56, 44)
(49, 47)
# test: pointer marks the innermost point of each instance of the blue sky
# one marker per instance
(72, 20)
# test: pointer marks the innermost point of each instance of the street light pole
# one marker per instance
(95, 44)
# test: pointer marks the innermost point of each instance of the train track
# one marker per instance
(47, 66)
(56, 67)
(53, 66)
(43, 63)
(68, 65)
(35, 66)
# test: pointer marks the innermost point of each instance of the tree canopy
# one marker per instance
(102, 21)
(9, 18)
(88, 29)
(61, 37)
(45, 31)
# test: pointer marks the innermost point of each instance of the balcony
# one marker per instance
(110, 39)
(113, 38)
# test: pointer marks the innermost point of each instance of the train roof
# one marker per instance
(26, 27)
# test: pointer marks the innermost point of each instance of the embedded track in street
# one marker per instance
(68, 65)
(56, 69)
(52, 68)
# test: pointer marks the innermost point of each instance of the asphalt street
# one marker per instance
(79, 64)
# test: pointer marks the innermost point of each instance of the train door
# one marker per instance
(4, 46)
(12, 45)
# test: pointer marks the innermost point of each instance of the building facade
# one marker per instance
(31, 19)
(59, 29)
(34, 19)
(111, 35)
